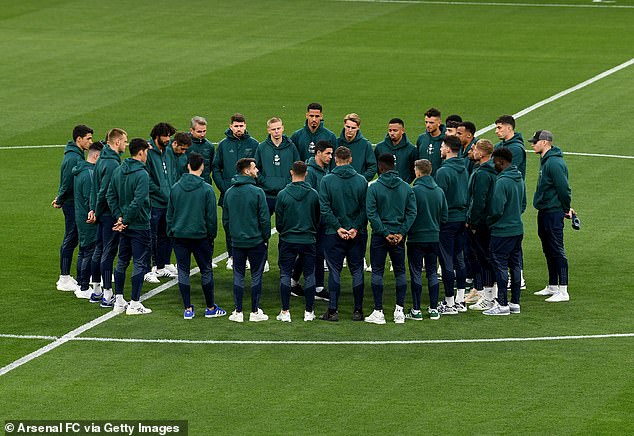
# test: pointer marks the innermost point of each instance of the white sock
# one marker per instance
(415, 311)
(399, 308)
(553, 288)
(318, 288)
(134, 304)
(460, 296)
(488, 293)
(450, 301)
(294, 282)
(96, 288)
(563, 289)
(107, 294)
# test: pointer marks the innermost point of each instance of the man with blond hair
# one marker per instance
(363, 159)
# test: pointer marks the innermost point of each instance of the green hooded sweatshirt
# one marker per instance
(109, 160)
(516, 145)
(452, 177)
(191, 211)
(342, 198)
(275, 164)
(230, 150)
(481, 184)
(507, 204)
(464, 153)
(82, 187)
(429, 148)
(553, 193)
(297, 213)
(129, 194)
(305, 140)
(160, 168)
(431, 211)
(206, 149)
(405, 154)
(390, 205)
(245, 213)
(178, 165)
(363, 159)
(315, 173)
(72, 155)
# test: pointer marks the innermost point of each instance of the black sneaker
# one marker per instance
(322, 295)
(357, 315)
(297, 291)
(327, 316)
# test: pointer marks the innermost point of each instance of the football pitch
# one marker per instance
(565, 66)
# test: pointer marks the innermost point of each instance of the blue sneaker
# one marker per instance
(215, 312)
(189, 313)
(96, 298)
(107, 303)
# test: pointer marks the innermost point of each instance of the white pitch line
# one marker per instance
(598, 155)
(14, 147)
(457, 3)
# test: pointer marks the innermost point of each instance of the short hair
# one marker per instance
(506, 119)
(485, 146)
(452, 124)
(432, 112)
(453, 143)
(299, 168)
(198, 120)
(424, 166)
(352, 117)
(162, 129)
(397, 121)
(343, 153)
(468, 126)
(237, 118)
(95, 147)
(195, 161)
(182, 138)
(80, 131)
(243, 164)
(114, 134)
(503, 153)
(137, 145)
(314, 106)
(273, 120)
(454, 117)
(386, 161)
(322, 145)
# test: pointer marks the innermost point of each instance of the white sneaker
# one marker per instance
(236, 316)
(548, 290)
(151, 277)
(284, 316)
(260, 316)
(399, 315)
(173, 269)
(559, 297)
(366, 267)
(376, 317)
(309, 316)
(119, 307)
(498, 310)
(515, 308)
(229, 263)
(66, 284)
(267, 268)
(83, 294)
(164, 272)
(136, 308)
(482, 304)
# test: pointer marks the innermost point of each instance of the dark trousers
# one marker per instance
(161, 243)
(319, 259)
(288, 254)
(109, 246)
(506, 255)
(257, 257)
(202, 250)
(270, 202)
(416, 253)
(379, 249)
(480, 243)
(452, 256)
(86, 267)
(135, 245)
(227, 238)
(550, 228)
(70, 241)
(335, 250)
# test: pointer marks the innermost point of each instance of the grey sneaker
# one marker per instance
(498, 310)
(515, 308)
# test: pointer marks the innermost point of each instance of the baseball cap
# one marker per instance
(542, 135)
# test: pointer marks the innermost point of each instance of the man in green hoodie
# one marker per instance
(201, 145)
(296, 221)
(178, 151)
(313, 131)
(129, 200)
(552, 200)
(246, 217)
(109, 160)
(397, 144)
(508, 202)
(391, 210)
(452, 177)
(73, 153)
(363, 159)
(429, 142)
(192, 222)
(423, 237)
(236, 145)
(342, 196)
(466, 133)
(86, 228)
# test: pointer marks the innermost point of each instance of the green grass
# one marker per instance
(133, 64)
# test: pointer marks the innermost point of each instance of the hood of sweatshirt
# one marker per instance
(426, 181)
(356, 139)
(81, 166)
(511, 173)
(455, 163)
(390, 179)
(516, 139)
(190, 182)
(284, 144)
(401, 144)
(238, 180)
(229, 134)
(554, 151)
(109, 153)
(71, 147)
(131, 165)
(313, 164)
(488, 167)
(344, 171)
(298, 190)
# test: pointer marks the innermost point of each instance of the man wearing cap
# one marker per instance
(552, 201)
